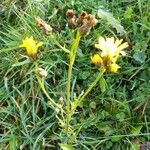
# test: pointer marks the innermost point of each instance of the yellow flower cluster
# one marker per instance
(110, 51)
(31, 46)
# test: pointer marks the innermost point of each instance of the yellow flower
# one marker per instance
(110, 51)
(111, 48)
(96, 59)
(31, 46)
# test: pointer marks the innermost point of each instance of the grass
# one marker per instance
(116, 118)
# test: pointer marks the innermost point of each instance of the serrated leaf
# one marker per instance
(140, 57)
(66, 147)
(102, 84)
(120, 116)
(109, 144)
(136, 130)
(111, 21)
(128, 13)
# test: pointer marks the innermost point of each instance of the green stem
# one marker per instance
(45, 92)
(43, 87)
(92, 85)
(57, 43)
(81, 98)
(73, 52)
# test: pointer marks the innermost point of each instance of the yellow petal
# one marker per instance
(102, 44)
(31, 45)
(113, 68)
(118, 42)
(123, 53)
(97, 46)
(96, 59)
(39, 44)
(21, 45)
(122, 46)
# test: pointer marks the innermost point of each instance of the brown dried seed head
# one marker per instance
(88, 22)
(84, 29)
(72, 23)
(82, 15)
(91, 20)
(70, 13)
(41, 72)
(47, 29)
(71, 19)
(81, 18)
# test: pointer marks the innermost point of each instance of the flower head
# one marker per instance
(31, 46)
(110, 48)
(87, 22)
(110, 52)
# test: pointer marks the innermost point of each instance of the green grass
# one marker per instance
(113, 120)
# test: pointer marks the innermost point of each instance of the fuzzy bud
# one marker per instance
(41, 72)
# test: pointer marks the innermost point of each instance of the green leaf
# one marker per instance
(66, 147)
(72, 138)
(93, 105)
(115, 139)
(136, 130)
(102, 84)
(109, 144)
(21, 63)
(109, 132)
(103, 127)
(120, 116)
(104, 15)
(135, 147)
(128, 13)
(140, 57)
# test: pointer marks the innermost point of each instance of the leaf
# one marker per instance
(120, 116)
(66, 147)
(140, 57)
(128, 13)
(109, 132)
(103, 127)
(115, 138)
(109, 144)
(104, 15)
(135, 147)
(93, 105)
(136, 130)
(21, 63)
(102, 84)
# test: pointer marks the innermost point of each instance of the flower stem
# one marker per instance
(92, 85)
(45, 92)
(43, 88)
(73, 52)
(81, 98)
(57, 43)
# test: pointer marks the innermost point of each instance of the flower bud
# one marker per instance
(71, 19)
(88, 22)
(41, 72)
(47, 29)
